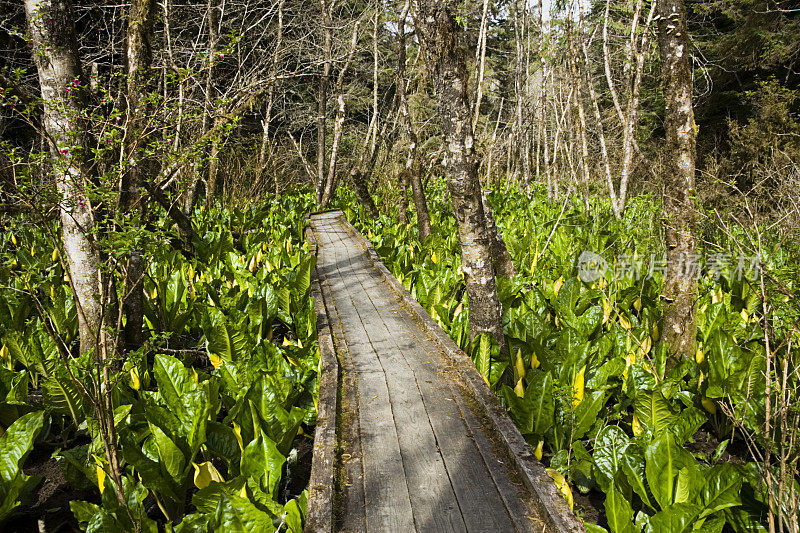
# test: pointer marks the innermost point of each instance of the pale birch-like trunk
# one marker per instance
(322, 97)
(193, 188)
(580, 125)
(263, 156)
(480, 61)
(600, 133)
(51, 27)
(55, 52)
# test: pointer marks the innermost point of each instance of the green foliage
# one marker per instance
(15, 444)
(590, 372)
(207, 411)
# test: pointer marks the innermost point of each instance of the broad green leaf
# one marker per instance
(618, 512)
(586, 413)
(722, 488)
(84, 511)
(221, 442)
(238, 515)
(633, 467)
(676, 518)
(664, 461)
(173, 381)
(533, 414)
(17, 442)
(482, 348)
(223, 339)
(262, 461)
(689, 421)
(683, 485)
(170, 455)
(609, 449)
(294, 516)
(149, 471)
(654, 413)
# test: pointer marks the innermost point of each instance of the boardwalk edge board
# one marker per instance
(319, 515)
(551, 505)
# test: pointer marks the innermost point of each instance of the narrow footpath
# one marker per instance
(415, 448)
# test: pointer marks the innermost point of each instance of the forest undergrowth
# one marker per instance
(637, 442)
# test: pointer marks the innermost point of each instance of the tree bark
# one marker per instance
(402, 188)
(331, 181)
(51, 26)
(322, 98)
(579, 109)
(193, 188)
(214, 17)
(55, 52)
(501, 259)
(265, 124)
(600, 133)
(438, 32)
(141, 16)
(412, 162)
(680, 284)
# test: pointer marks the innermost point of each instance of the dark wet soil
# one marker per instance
(48, 506)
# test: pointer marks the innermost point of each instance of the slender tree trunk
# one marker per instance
(503, 266)
(542, 111)
(213, 16)
(213, 167)
(579, 109)
(438, 32)
(402, 189)
(322, 98)
(360, 175)
(331, 181)
(51, 26)
(518, 94)
(680, 284)
(373, 123)
(141, 16)
(480, 60)
(600, 133)
(412, 162)
(638, 52)
(525, 129)
(490, 156)
(263, 156)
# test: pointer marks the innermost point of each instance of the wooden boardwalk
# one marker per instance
(406, 439)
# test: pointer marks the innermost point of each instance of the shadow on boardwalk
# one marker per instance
(409, 437)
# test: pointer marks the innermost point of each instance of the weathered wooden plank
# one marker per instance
(319, 518)
(387, 501)
(433, 500)
(550, 506)
(440, 384)
(349, 498)
(481, 504)
(427, 461)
